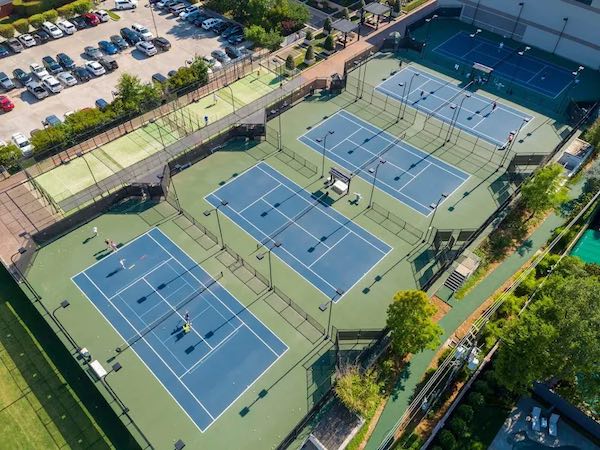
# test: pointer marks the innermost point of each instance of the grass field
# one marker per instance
(38, 409)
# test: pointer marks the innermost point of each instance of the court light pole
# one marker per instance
(402, 101)
(208, 212)
(115, 368)
(323, 141)
(379, 163)
(455, 116)
(227, 85)
(428, 21)
(521, 5)
(565, 20)
(517, 67)
(416, 74)
(329, 304)
(429, 227)
(570, 86)
(64, 305)
(261, 256)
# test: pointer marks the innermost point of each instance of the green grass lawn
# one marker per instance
(38, 409)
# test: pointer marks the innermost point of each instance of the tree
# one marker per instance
(7, 30)
(465, 412)
(9, 155)
(82, 6)
(21, 25)
(261, 38)
(290, 64)
(36, 20)
(459, 427)
(49, 137)
(447, 440)
(558, 336)
(409, 319)
(476, 399)
(327, 25)
(50, 16)
(544, 191)
(310, 54)
(131, 94)
(592, 135)
(360, 393)
(329, 43)
(345, 13)
(309, 35)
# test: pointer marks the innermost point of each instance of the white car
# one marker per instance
(27, 40)
(212, 63)
(52, 30)
(67, 79)
(38, 71)
(102, 15)
(66, 27)
(23, 143)
(125, 4)
(187, 11)
(52, 84)
(95, 68)
(144, 32)
(147, 48)
(208, 24)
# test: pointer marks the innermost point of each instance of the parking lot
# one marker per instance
(186, 41)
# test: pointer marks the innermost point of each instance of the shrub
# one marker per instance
(329, 43)
(482, 387)
(327, 25)
(290, 64)
(476, 399)
(360, 393)
(36, 20)
(346, 13)
(24, 8)
(21, 25)
(465, 412)
(310, 53)
(49, 137)
(7, 30)
(51, 15)
(9, 155)
(82, 6)
(447, 440)
(309, 35)
(66, 11)
(459, 427)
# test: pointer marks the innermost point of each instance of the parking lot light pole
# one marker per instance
(260, 256)
(323, 141)
(208, 212)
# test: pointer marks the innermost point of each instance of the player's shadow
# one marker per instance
(88, 239)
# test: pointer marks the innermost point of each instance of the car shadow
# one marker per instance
(28, 97)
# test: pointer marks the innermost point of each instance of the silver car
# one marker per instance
(67, 79)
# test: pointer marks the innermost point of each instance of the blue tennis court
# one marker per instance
(410, 175)
(528, 71)
(323, 246)
(145, 289)
(442, 99)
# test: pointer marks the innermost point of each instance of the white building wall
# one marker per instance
(541, 24)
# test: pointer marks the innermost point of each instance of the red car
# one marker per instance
(91, 19)
(5, 104)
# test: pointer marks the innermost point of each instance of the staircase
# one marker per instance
(455, 280)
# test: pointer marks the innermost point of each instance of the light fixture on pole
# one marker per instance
(208, 212)
(261, 256)
(323, 141)
(375, 170)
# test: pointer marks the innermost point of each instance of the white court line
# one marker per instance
(139, 278)
(376, 154)
(150, 346)
(286, 225)
(330, 216)
(257, 200)
(215, 296)
(220, 344)
(418, 173)
(423, 156)
(158, 304)
(328, 250)
(177, 313)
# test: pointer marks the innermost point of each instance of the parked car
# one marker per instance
(52, 30)
(92, 52)
(79, 22)
(95, 68)
(15, 45)
(212, 63)
(233, 52)
(66, 61)
(81, 74)
(125, 4)
(176, 9)
(52, 84)
(159, 78)
(220, 27)
(220, 56)
(36, 90)
(21, 76)
(189, 17)
(5, 82)
(130, 36)
(208, 24)
(109, 63)
(171, 73)
(67, 79)
(187, 11)
(51, 65)
(66, 26)
(232, 29)
(144, 32)
(6, 105)
(161, 43)
(51, 121)
(166, 4)
(119, 42)
(102, 15)
(40, 36)
(101, 104)
(23, 143)
(27, 40)
(147, 48)
(91, 19)
(38, 71)
(108, 47)
(199, 20)
(236, 39)
(4, 51)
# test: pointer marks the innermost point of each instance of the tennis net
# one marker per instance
(450, 100)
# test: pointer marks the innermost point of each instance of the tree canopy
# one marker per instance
(545, 190)
(360, 393)
(410, 323)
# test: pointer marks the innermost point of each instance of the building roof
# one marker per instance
(379, 9)
(344, 25)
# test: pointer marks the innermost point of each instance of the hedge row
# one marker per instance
(27, 8)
